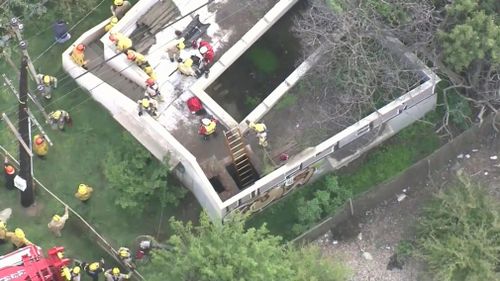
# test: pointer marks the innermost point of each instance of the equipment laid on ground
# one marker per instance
(29, 264)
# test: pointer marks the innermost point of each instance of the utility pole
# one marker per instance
(25, 160)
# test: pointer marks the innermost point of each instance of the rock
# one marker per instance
(493, 157)
(5, 214)
(367, 256)
(401, 197)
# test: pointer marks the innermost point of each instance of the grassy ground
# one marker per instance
(76, 156)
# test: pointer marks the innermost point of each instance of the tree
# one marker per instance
(138, 177)
(459, 234)
(212, 251)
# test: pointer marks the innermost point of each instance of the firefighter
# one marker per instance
(112, 22)
(65, 273)
(61, 33)
(78, 56)
(138, 58)
(208, 127)
(76, 273)
(125, 257)
(18, 238)
(260, 130)
(174, 52)
(3, 232)
(186, 67)
(152, 88)
(10, 174)
(93, 269)
(122, 42)
(114, 274)
(207, 52)
(57, 222)
(120, 8)
(58, 118)
(148, 105)
(46, 84)
(149, 71)
(40, 145)
(83, 192)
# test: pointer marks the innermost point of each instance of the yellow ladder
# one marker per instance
(237, 148)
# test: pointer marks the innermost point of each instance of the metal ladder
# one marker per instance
(241, 161)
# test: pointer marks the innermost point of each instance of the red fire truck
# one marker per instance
(29, 264)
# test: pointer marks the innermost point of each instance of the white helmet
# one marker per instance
(205, 121)
(145, 244)
(203, 49)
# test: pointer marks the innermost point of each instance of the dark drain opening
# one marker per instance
(217, 184)
(231, 169)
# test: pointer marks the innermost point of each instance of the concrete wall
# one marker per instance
(414, 176)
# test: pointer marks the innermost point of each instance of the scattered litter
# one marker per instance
(494, 157)
(460, 156)
(485, 173)
(360, 236)
(367, 256)
(387, 247)
(467, 156)
(401, 197)
(475, 150)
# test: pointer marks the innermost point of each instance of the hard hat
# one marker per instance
(94, 266)
(3, 225)
(82, 189)
(80, 47)
(116, 271)
(206, 121)
(203, 49)
(181, 44)
(114, 20)
(113, 37)
(76, 270)
(19, 233)
(38, 140)
(124, 252)
(118, 2)
(145, 102)
(150, 81)
(46, 79)
(9, 169)
(188, 62)
(145, 244)
(251, 125)
(131, 55)
(56, 218)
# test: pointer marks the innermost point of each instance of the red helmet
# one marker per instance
(39, 140)
(150, 81)
(112, 37)
(131, 55)
(9, 170)
(80, 47)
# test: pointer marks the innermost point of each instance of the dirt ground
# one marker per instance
(381, 229)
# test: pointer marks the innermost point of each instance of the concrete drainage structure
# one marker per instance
(173, 133)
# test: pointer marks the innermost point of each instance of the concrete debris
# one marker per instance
(467, 156)
(401, 197)
(494, 157)
(367, 256)
(460, 156)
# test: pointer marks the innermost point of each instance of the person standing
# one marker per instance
(152, 88)
(57, 222)
(78, 56)
(120, 8)
(260, 130)
(18, 238)
(10, 174)
(61, 33)
(84, 192)
(46, 84)
(174, 52)
(93, 269)
(114, 274)
(40, 145)
(59, 118)
(208, 127)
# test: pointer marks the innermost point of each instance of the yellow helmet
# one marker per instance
(94, 266)
(46, 79)
(118, 2)
(124, 252)
(82, 189)
(145, 102)
(56, 218)
(188, 62)
(19, 233)
(116, 271)
(181, 44)
(114, 20)
(66, 273)
(76, 270)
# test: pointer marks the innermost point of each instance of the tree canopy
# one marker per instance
(459, 235)
(229, 252)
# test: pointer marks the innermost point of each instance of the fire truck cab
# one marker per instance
(29, 264)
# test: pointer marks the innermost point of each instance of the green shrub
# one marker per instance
(459, 234)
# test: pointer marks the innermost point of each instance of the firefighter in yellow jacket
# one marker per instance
(3, 232)
(78, 56)
(122, 42)
(18, 238)
(40, 145)
(260, 130)
(84, 192)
